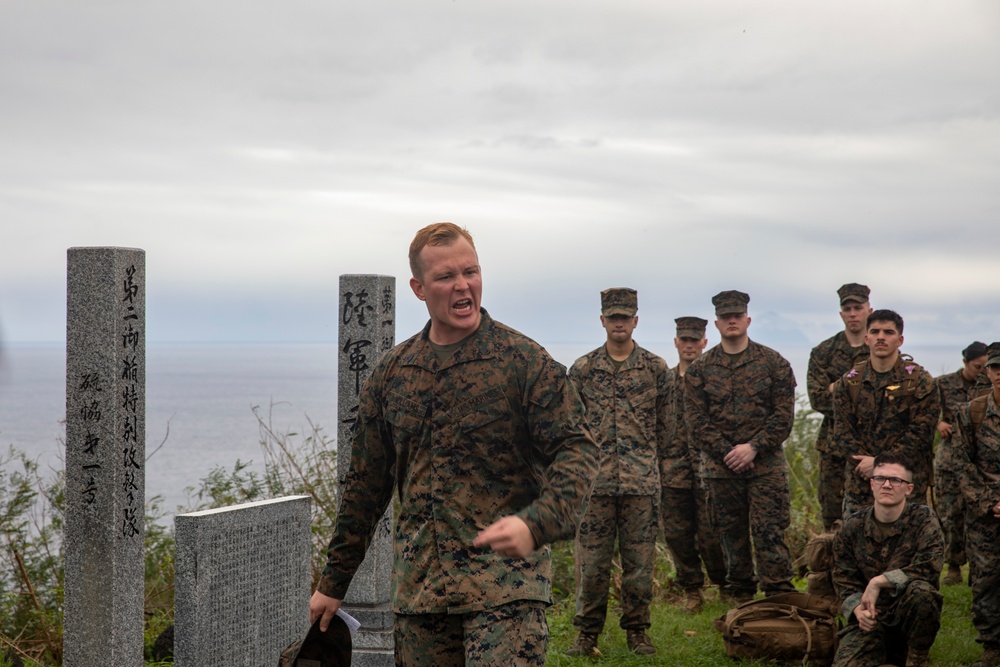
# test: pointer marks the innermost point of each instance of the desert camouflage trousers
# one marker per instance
(912, 620)
(690, 536)
(633, 520)
(983, 548)
(511, 635)
(951, 512)
(757, 508)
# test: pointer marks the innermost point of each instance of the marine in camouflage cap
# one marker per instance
(619, 301)
(993, 354)
(740, 444)
(828, 361)
(691, 327)
(686, 517)
(730, 302)
(976, 453)
(627, 392)
(853, 292)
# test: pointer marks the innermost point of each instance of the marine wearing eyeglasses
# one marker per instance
(887, 561)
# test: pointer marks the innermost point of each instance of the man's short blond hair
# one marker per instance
(438, 233)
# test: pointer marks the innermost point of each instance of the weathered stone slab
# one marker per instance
(242, 583)
(105, 456)
(367, 331)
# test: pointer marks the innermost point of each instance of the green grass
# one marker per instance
(682, 639)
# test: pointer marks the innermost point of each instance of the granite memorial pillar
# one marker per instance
(367, 331)
(105, 457)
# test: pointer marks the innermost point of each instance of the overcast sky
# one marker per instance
(256, 151)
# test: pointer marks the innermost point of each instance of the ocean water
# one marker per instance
(200, 399)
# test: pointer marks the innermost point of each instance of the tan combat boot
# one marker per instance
(585, 646)
(639, 643)
(692, 602)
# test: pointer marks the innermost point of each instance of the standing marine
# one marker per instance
(739, 404)
(976, 443)
(628, 392)
(953, 390)
(827, 362)
(684, 509)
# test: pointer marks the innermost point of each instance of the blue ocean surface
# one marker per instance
(200, 397)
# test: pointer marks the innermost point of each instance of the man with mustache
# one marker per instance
(886, 403)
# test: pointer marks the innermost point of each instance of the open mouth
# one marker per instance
(462, 305)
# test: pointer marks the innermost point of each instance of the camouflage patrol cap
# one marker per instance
(619, 301)
(730, 301)
(320, 649)
(993, 354)
(853, 292)
(691, 327)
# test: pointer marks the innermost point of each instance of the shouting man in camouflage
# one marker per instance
(886, 403)
(684, 503)
(953, 391)
(483, 439)
(976, 454)
(627, 392)
(828, 361)
(887, 560)
(739, 403)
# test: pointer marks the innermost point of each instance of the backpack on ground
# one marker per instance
(817, 566)
(786, 627)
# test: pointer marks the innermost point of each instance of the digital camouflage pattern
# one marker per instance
(691, 538)
(628, 409)
(727, 403)
(686, 518)
(749, 401)
(977, 453)
(828, 361)
(634, 520)
(494, 430)
(953, 391)
(628, 412)
(897, 414)
(756, 507)
(910, 554)
(511, 635)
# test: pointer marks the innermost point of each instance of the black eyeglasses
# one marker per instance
(894, 482)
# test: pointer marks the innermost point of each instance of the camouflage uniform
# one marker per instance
(897, 414)
(953, 391)
(687, 519)
(976, 454)
(628, 409)
(827, 362)
(910, 555)
(494, 430)
(749, 401)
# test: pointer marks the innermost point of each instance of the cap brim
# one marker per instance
(618, 311)
(852, 299)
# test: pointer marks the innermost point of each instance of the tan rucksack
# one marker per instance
(786, 627)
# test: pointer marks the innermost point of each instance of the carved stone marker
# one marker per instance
(367, 331)
(242, 583)
(105, 456)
